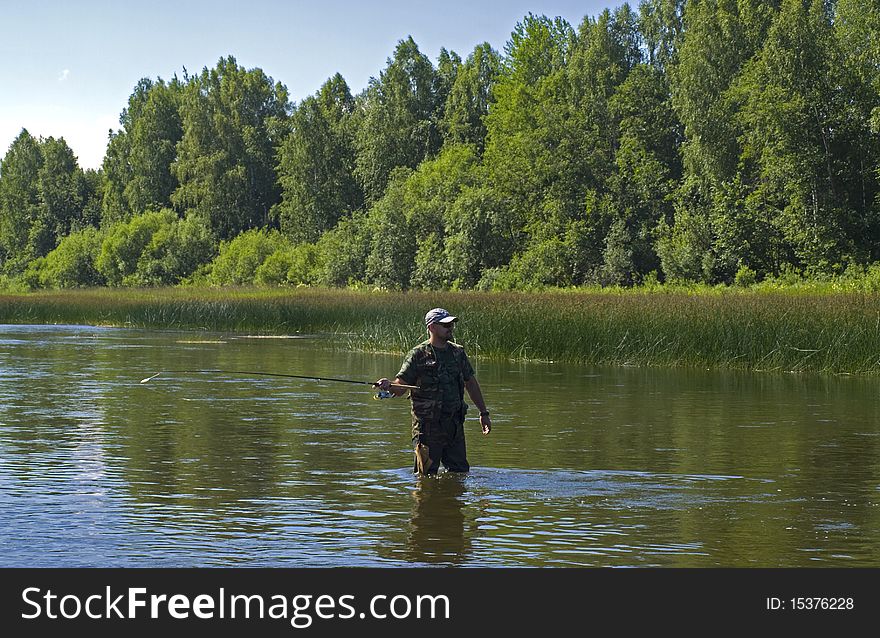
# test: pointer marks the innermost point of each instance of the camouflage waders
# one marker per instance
(438, 407)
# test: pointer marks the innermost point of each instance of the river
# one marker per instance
(585, 466)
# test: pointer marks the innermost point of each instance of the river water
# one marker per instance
(585, 466)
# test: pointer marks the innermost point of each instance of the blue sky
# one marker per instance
(70, 66)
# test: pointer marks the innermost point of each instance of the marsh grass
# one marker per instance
(757, 330)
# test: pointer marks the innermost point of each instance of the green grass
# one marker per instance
(798, 330)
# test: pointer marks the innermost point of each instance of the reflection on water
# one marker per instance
(437, 528)
(584, 467)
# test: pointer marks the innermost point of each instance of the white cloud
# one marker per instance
(64, 75)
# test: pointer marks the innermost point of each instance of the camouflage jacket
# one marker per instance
(423, 368)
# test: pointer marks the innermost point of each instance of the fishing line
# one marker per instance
(381, 395)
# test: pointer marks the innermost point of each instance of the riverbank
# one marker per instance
(741, 329)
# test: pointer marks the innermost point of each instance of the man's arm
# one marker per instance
(476, 394)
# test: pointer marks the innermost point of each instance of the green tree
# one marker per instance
(429, 195)
(479, 235)
(399, 126)
(799, 142)
(857, 31)
(20, 201)
(589, 196)
(233, 121)
(393, 246)
(553, 140)
(711, 234)
(685, 245)
(343, 251)
(647, 169)
(720, 37)
(175, 251)
(154, 135)
(409, 223)
(63, 194)
(470, 98)
(448, 67)
(316, 164)
(139, 157)
(117, 173)
(300, 264)
(124, 245)
(93, 197)
(522, 134)
(525, 127)
(43, 193)
(661, 26)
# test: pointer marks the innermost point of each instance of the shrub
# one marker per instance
(342, 252)
(291, 265)
(431, 270)
(174, 253)
(273, 271)
(306, 265)
(72, 264)
(745, 277)
(126, 242)
(239, 258)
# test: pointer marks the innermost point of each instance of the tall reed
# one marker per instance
(774, 330)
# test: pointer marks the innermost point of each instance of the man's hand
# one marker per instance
(485, 423)
(383, 384)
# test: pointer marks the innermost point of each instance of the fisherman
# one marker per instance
(442, 371)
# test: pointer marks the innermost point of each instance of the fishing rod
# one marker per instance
(381, 395)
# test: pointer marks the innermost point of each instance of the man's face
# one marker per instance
(444, 330)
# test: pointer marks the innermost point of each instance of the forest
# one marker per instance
(723, 142)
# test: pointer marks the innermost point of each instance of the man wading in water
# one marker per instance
(441, 370)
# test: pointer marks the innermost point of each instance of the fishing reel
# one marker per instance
(383, 394)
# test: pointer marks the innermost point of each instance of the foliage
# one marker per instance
(344, 251)
(126, 242)
(399, 127)
(233, 120)
(316, 165)
(20, 201)
(297, 265)
(682, 142)
(174, 252)
(745, 277)
(240, 258)
(139, 156)
(72, 264)
(44, 195)
(470, 97)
